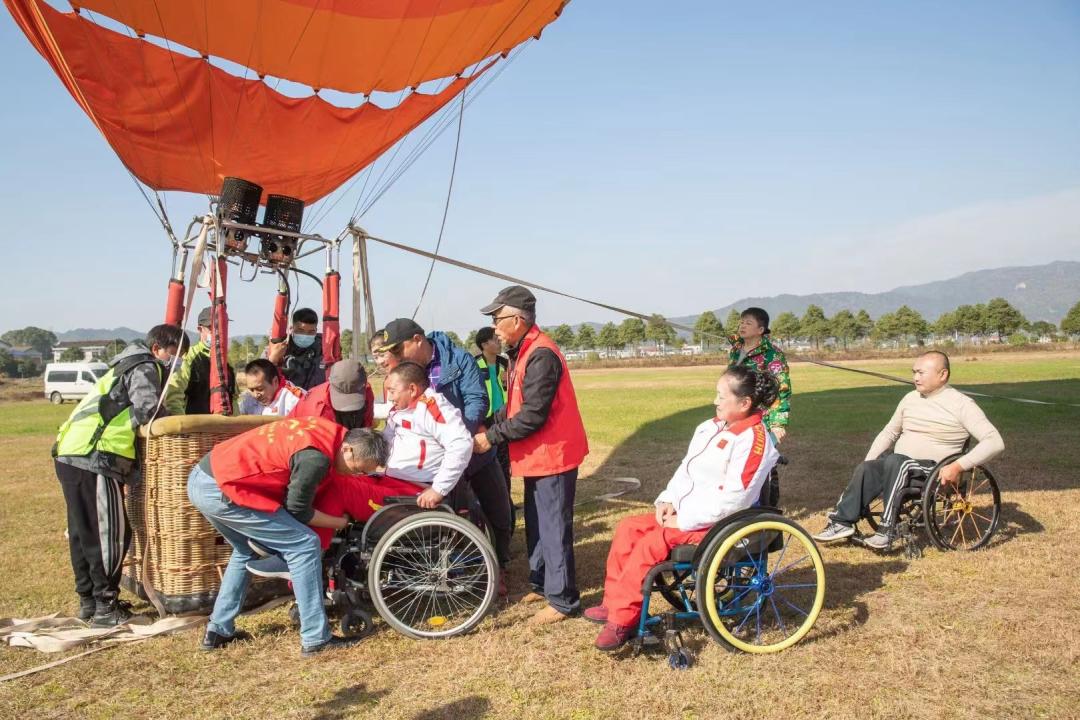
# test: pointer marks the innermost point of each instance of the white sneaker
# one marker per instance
(878, 541)
(835, 531)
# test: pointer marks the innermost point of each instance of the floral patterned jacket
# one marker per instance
(767, 357)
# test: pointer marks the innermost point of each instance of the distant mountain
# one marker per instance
(79, 334)
(1040, 292)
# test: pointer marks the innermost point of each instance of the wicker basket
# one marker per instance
(176, 558)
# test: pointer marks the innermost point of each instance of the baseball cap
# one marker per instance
(398, 331)
(515, 296)
(347, 382)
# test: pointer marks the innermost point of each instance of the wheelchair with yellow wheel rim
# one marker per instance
(756, 582)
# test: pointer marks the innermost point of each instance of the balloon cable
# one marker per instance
(446, 205)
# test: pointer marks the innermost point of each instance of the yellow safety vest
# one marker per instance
(500, 373)
(87, 431)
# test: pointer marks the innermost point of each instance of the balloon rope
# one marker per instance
(446, 206)
(679, 326)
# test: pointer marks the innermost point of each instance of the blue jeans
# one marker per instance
(280, 532)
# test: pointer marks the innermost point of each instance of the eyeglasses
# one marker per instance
(496, 319)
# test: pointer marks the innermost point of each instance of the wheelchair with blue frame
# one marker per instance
(429, 574)
(756, 582)
(954, 516)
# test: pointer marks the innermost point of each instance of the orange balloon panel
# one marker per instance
(179, 123)
(347, 45)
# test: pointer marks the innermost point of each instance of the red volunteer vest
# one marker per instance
(317, 404)
(560, 444)
(252, 469)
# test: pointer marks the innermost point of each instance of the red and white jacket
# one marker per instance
(722, 473)
(429, 443)
(286, 400)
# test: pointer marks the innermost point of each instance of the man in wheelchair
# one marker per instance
(728, 461)
(931, 423)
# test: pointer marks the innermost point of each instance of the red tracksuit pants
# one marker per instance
(639, 543)
(358, 495)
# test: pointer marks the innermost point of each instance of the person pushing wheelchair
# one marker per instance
(931, 423)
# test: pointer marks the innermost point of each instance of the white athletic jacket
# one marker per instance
(288, 395)
(429, 443)
(722, 473)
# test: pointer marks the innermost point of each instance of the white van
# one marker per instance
(71, 380)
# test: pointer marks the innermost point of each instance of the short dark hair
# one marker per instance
(306, 315)
(483, 335)
(264, 367)
(758, 314)
(944, 360)
(412, 374)
(167, 336)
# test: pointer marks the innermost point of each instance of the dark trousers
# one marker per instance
(884, 476)
(502, 451)
(549, 537)
(490, 488)
(98, 530)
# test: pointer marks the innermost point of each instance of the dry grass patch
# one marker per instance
(989, 634)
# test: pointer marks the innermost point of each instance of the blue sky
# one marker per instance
(664, 161)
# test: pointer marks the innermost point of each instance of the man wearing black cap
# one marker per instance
(188, 392)
(547, 441)
(453, 373)
(346, 398)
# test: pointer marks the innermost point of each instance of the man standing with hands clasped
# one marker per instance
(547, 442)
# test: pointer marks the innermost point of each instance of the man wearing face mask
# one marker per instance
(189, 386)
(346, 398)
(301, 357)
(95, 457)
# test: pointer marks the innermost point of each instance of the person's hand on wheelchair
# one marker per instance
(429, 499)
(778, 433)
(951, 473)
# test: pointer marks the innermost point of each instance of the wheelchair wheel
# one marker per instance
(668, 584)
(433, 575)
(963, 516)
(761, 585)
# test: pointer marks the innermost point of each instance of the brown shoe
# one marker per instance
(533, 597)
(547, 616)
(503, 592)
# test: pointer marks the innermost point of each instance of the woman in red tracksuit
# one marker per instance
(729, 459)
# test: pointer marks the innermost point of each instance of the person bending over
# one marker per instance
(728, 461)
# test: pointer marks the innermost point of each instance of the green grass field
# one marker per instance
(988, 634)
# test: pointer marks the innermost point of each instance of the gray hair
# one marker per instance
(527, 317)
(368, 445)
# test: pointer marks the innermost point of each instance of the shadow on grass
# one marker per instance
(346, 701)
(831, 431)
(468, 708)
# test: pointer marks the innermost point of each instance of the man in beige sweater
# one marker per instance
(931, 423)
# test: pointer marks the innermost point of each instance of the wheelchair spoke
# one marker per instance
(783, 550)
(979, 514)
(959, 530)
(746, 617)
(776, 612)
(796, 609)
(789, 566)
(795, 585)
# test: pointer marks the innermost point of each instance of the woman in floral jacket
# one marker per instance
(751, 347)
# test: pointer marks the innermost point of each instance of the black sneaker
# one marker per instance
(270, 567)
(331, 644)
(110, 613)
(87, 607)
(213, 641)
(834, 531)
